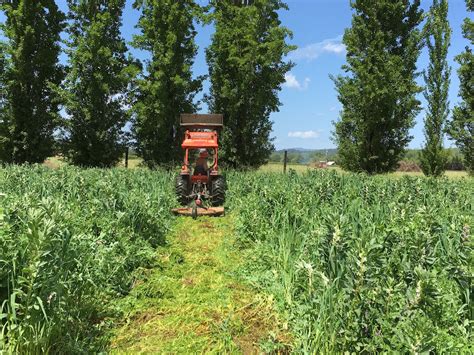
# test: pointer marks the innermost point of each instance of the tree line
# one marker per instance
(103, 98)
(379, 91)
(412, 158)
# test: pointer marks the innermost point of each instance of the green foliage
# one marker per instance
(97, 84)
(3, 91)
(461, 128)
(33, 30)
(438, 39)
(362, 264)
(247, 68)
(275, 157)
(70, 241)
(168, 88)
(454, 159)
(379, 94)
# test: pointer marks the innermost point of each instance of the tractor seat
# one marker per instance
(199, 170)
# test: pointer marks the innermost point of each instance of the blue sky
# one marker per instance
(309, 101)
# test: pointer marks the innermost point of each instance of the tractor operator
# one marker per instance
(201, 163)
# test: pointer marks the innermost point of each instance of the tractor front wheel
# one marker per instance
(182, 189)
(219, 187)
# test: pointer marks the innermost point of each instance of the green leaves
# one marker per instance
(100, 77)
(379, 94)
(358, 263)
(31, 105)
(247, 68)
(167, 88)
(437, 79)
(70, 241)
(461, 128)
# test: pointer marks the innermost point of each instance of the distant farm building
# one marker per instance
(326, 164)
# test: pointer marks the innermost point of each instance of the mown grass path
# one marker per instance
(193, 301)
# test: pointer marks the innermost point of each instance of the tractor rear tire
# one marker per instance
(182, 189)
(219, 187)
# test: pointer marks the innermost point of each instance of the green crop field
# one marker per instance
(310, 262)
(362, 264)
(70, 241)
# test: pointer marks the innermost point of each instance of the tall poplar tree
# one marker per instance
(437, 79)
(97, 84)
(379, 92)
(3, 91)
(167, 88)
(461, 128)
(32, 29)
(247, 69)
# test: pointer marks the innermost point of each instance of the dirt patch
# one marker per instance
(207, 225)
(236, 286)
(260, 327)
(188, 282)
(146, 317)
(208, 261)
(183, 236)
(261, 322)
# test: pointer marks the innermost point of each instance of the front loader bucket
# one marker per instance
(196, 212)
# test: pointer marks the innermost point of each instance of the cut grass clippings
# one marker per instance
(194, 302)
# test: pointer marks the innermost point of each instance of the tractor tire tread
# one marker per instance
(182, 189)
(219, 187)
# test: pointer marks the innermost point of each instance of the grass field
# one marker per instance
(299, 168)
(450, 174)
(134, 163)
(278, 168)
(308, 262)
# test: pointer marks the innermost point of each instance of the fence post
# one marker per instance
(126, 157)
(285, 161)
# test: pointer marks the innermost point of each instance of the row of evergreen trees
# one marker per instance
(103, 87)
(379, 95)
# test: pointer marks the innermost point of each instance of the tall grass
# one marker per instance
(362, 264)
(70, 241)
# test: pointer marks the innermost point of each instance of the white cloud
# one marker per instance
(314, 50)
(292, 82)
(304, 134)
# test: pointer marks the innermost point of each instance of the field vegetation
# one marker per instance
(356, 258)
(352, 262)
(362, 264)
(70, 241)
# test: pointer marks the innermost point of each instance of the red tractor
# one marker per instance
(200, 186)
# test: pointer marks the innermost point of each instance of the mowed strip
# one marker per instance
(194, 302)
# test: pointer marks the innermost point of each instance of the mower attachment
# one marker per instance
(198, 211)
